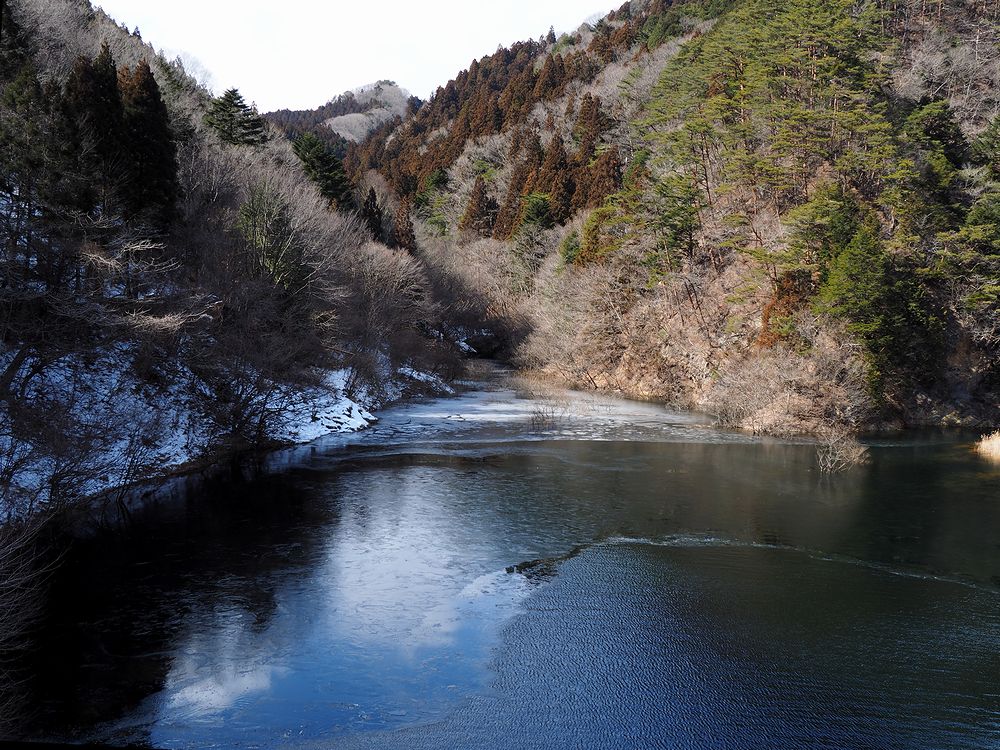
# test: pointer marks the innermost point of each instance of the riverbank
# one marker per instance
(185, 458)
(769, 403)
(32, 546)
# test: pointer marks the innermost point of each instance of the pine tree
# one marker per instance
(235, 121)
(986, 149)
(536, 211)
(324, 168)
(855, 287)
(151, 148)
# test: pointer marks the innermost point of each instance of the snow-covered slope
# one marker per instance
(143, 429)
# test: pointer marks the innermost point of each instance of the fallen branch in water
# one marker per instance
(839, 450)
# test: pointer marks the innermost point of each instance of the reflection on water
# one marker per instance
(694, 589)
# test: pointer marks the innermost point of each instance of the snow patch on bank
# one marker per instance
(434, 381)
(321, 411)
(129, 429)
(327, 409)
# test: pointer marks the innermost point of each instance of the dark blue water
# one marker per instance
(510, 570)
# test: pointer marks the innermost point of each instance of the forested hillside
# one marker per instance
(785, 213)
(174, 286)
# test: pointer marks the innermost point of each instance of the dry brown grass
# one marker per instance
(989, 446)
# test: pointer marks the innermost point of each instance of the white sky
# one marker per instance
(299, 54)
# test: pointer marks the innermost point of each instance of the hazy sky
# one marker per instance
(301, 53)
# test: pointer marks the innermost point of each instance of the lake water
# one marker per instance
(509, 569)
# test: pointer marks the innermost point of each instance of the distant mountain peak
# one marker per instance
(380, 102)
(351, 116)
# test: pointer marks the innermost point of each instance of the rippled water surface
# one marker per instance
(509, 569)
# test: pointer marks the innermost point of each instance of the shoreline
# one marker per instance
(936, 416)
(104, 509)
(113, 506)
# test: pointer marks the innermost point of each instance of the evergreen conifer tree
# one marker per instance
(554, 179)
(561, 199)
(13, 44)
(22, 153)
(254, 131)
(324, 168)
(403, 236)
(548, 79)
(151, 148)
(481, 213)
(235, 121)
(69, 184)
(598, 180)
(94, 101)
(536, 211)
(589, 126)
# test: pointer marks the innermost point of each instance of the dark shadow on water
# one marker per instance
(121, 598)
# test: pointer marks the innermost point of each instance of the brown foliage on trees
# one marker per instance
(598, 180)
(555, 179)
(522, 182)
(589, 125)
(148, 266)
(789, 297)
(403, 236)
(481, 214)
(496, 93)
